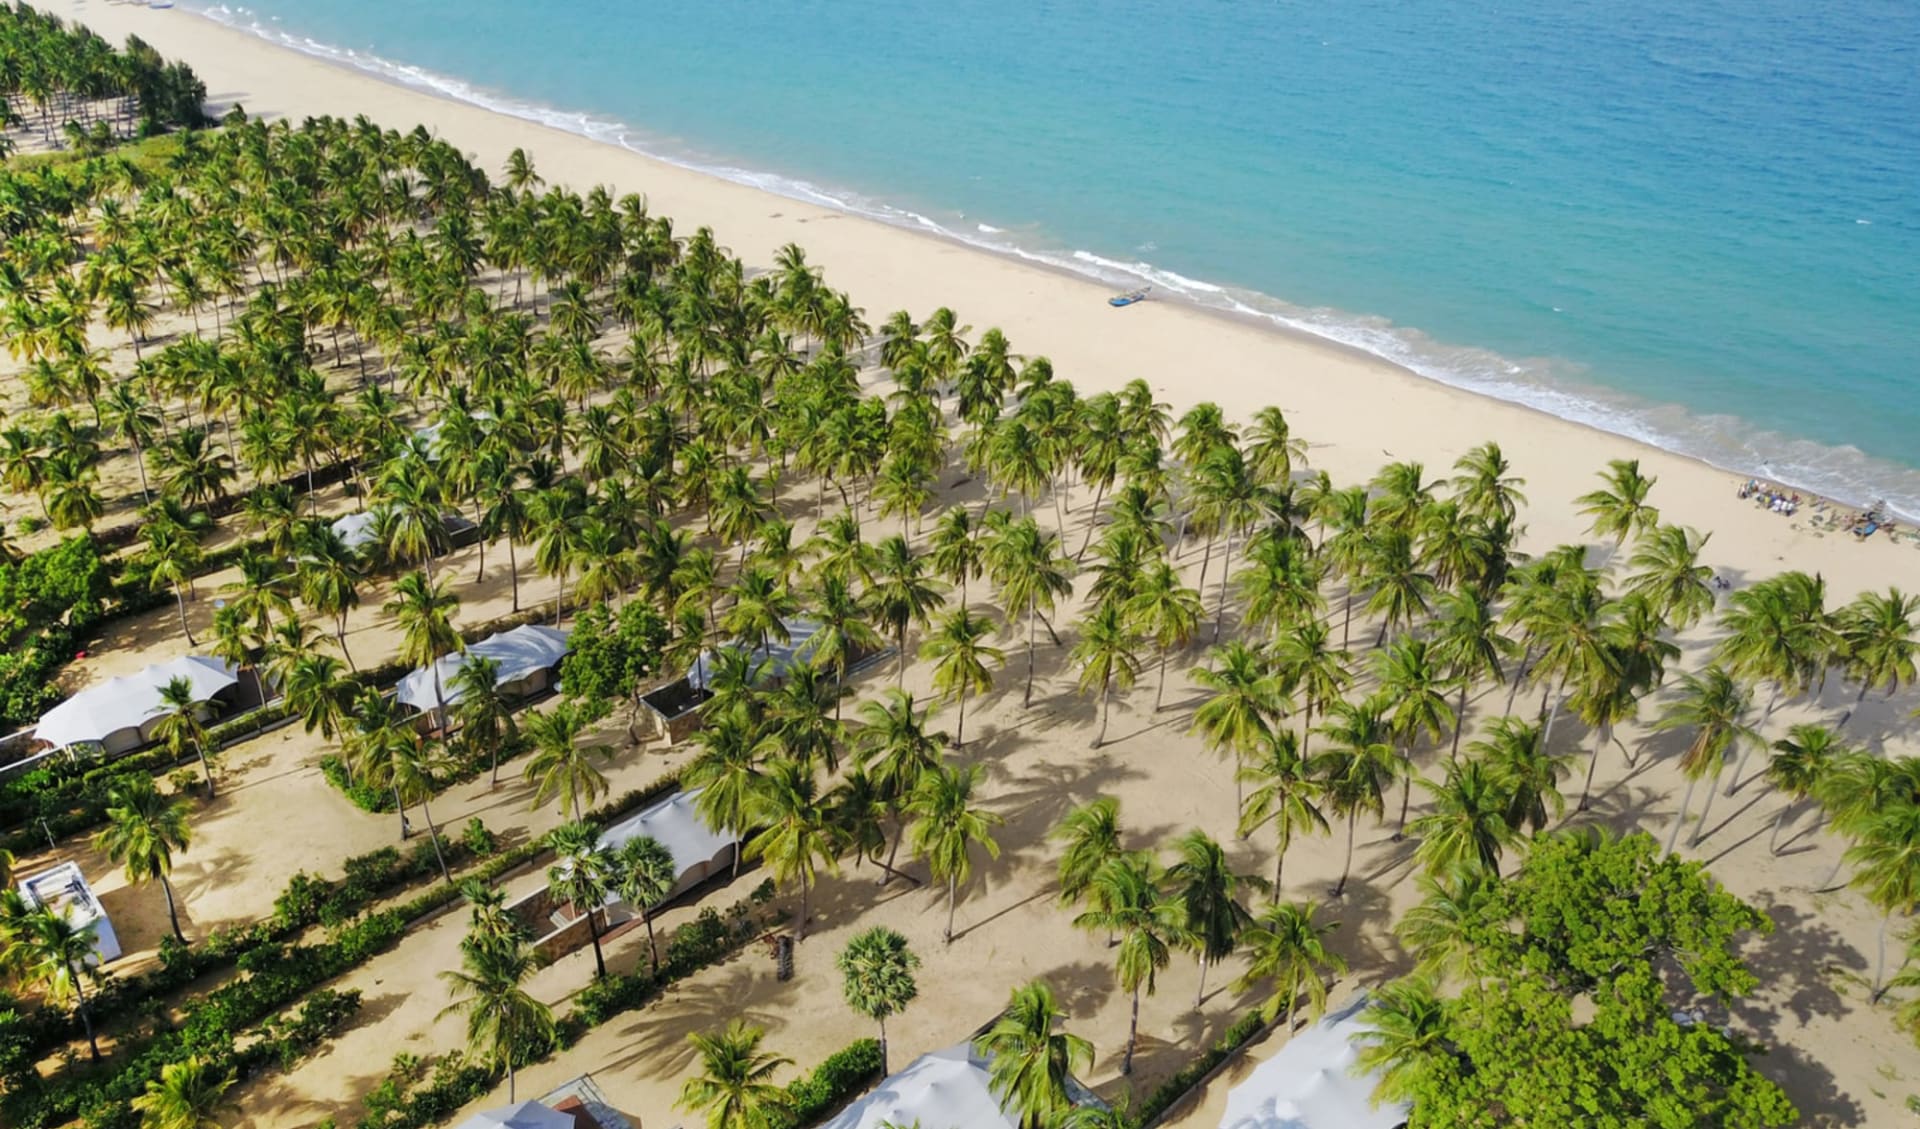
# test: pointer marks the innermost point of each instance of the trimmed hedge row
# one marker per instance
(838, 1079)
(1168, 1093)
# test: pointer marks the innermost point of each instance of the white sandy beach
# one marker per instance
(1843, 1062)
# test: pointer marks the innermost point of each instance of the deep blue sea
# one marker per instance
(1697, 224)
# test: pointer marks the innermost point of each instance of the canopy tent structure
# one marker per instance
(944, 1089)
(775, 660)
(520, 1115)
(527, 655)
(1311, 1083)
(698, 850)
(121, 713)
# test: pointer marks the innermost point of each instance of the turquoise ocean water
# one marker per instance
(1699, 226)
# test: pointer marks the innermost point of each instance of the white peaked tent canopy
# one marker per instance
(522, 653)
(945, 1089)
(120, 712)
(1311, 1083)
(698, 850)
(358, 530)
(777, 659)
(520, 1115)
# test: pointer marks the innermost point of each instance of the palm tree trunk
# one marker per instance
(340, 634)
(1340, 887)
(800, 928)
(1459, 723)
(1160, 694)
(206, 768)
(1559, 698)
(513, 568)
(599, 958)
(1200, 993)
(900, 663)
(1740, 770)
(173, 913)
(1226, 574)
(960, 726)
(180, 599)
(1406, 792)
(953, 891)
(433, 835)
(1593, 762)
(1680, 818)
(1133, 1034)
(1033, 614)
(1699, 826)
(1106, 695)
(1285, 840)
(86, 1009)
(653, 952)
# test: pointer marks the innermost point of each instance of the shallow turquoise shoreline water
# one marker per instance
(1701, 229)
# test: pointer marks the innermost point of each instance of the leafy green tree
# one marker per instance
(876, 969)
(143, 831)
(1028, 1062)
(614, 656)
(1287, 948)
(734, 1087)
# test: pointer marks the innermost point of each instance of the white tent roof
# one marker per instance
(1311, 1083)
(519, 652)
(129, 701)
(777, 659)
(521, 1115)
(675, 824)
(358, 530)
(944, 1089)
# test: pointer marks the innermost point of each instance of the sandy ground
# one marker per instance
(1844, 1063)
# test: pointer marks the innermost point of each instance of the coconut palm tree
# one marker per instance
(504, 1021)
(561, 767)
(1886, 858)
(1127, 903)
(895, 748)
(956, 550)
(1028, 1062)
(1411, 679)
(171, 554)
(1245, 697)
(901, 595)
(725, 771)
(1468, 824)
(1440, 931)
(179, 726)
(1801, 763)
(1522, 768)
(189, 1094)
(1287, 948)
(143, 831)
(1469, 646)
(423, 609)
(1205, 884)
(644, 873)
(1714, 706)
(50, 953)
(1166, 613)
(1401, 591)
(1307, 665)
(1031, 574)
(963, 661)
(1105, 656)
(329, 575)
(1356, 771)
(876, 969)
(844, 634)
(583, 875)
(1285, 788)
(1879, 639)
(1483, 487)
(1407, 1035)
(319, 693)
(1619, 509)
(948, 824)
(734, 1088)
(796, 837)
(1668, 573)
(484, 714)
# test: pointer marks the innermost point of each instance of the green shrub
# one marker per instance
(836, 1081)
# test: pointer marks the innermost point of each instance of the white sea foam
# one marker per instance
(1842, 472)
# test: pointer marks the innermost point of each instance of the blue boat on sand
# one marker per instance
(1130, 297)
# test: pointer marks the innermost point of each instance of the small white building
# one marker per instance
(944, 1089)
(64, 890)
(1311, 1082)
